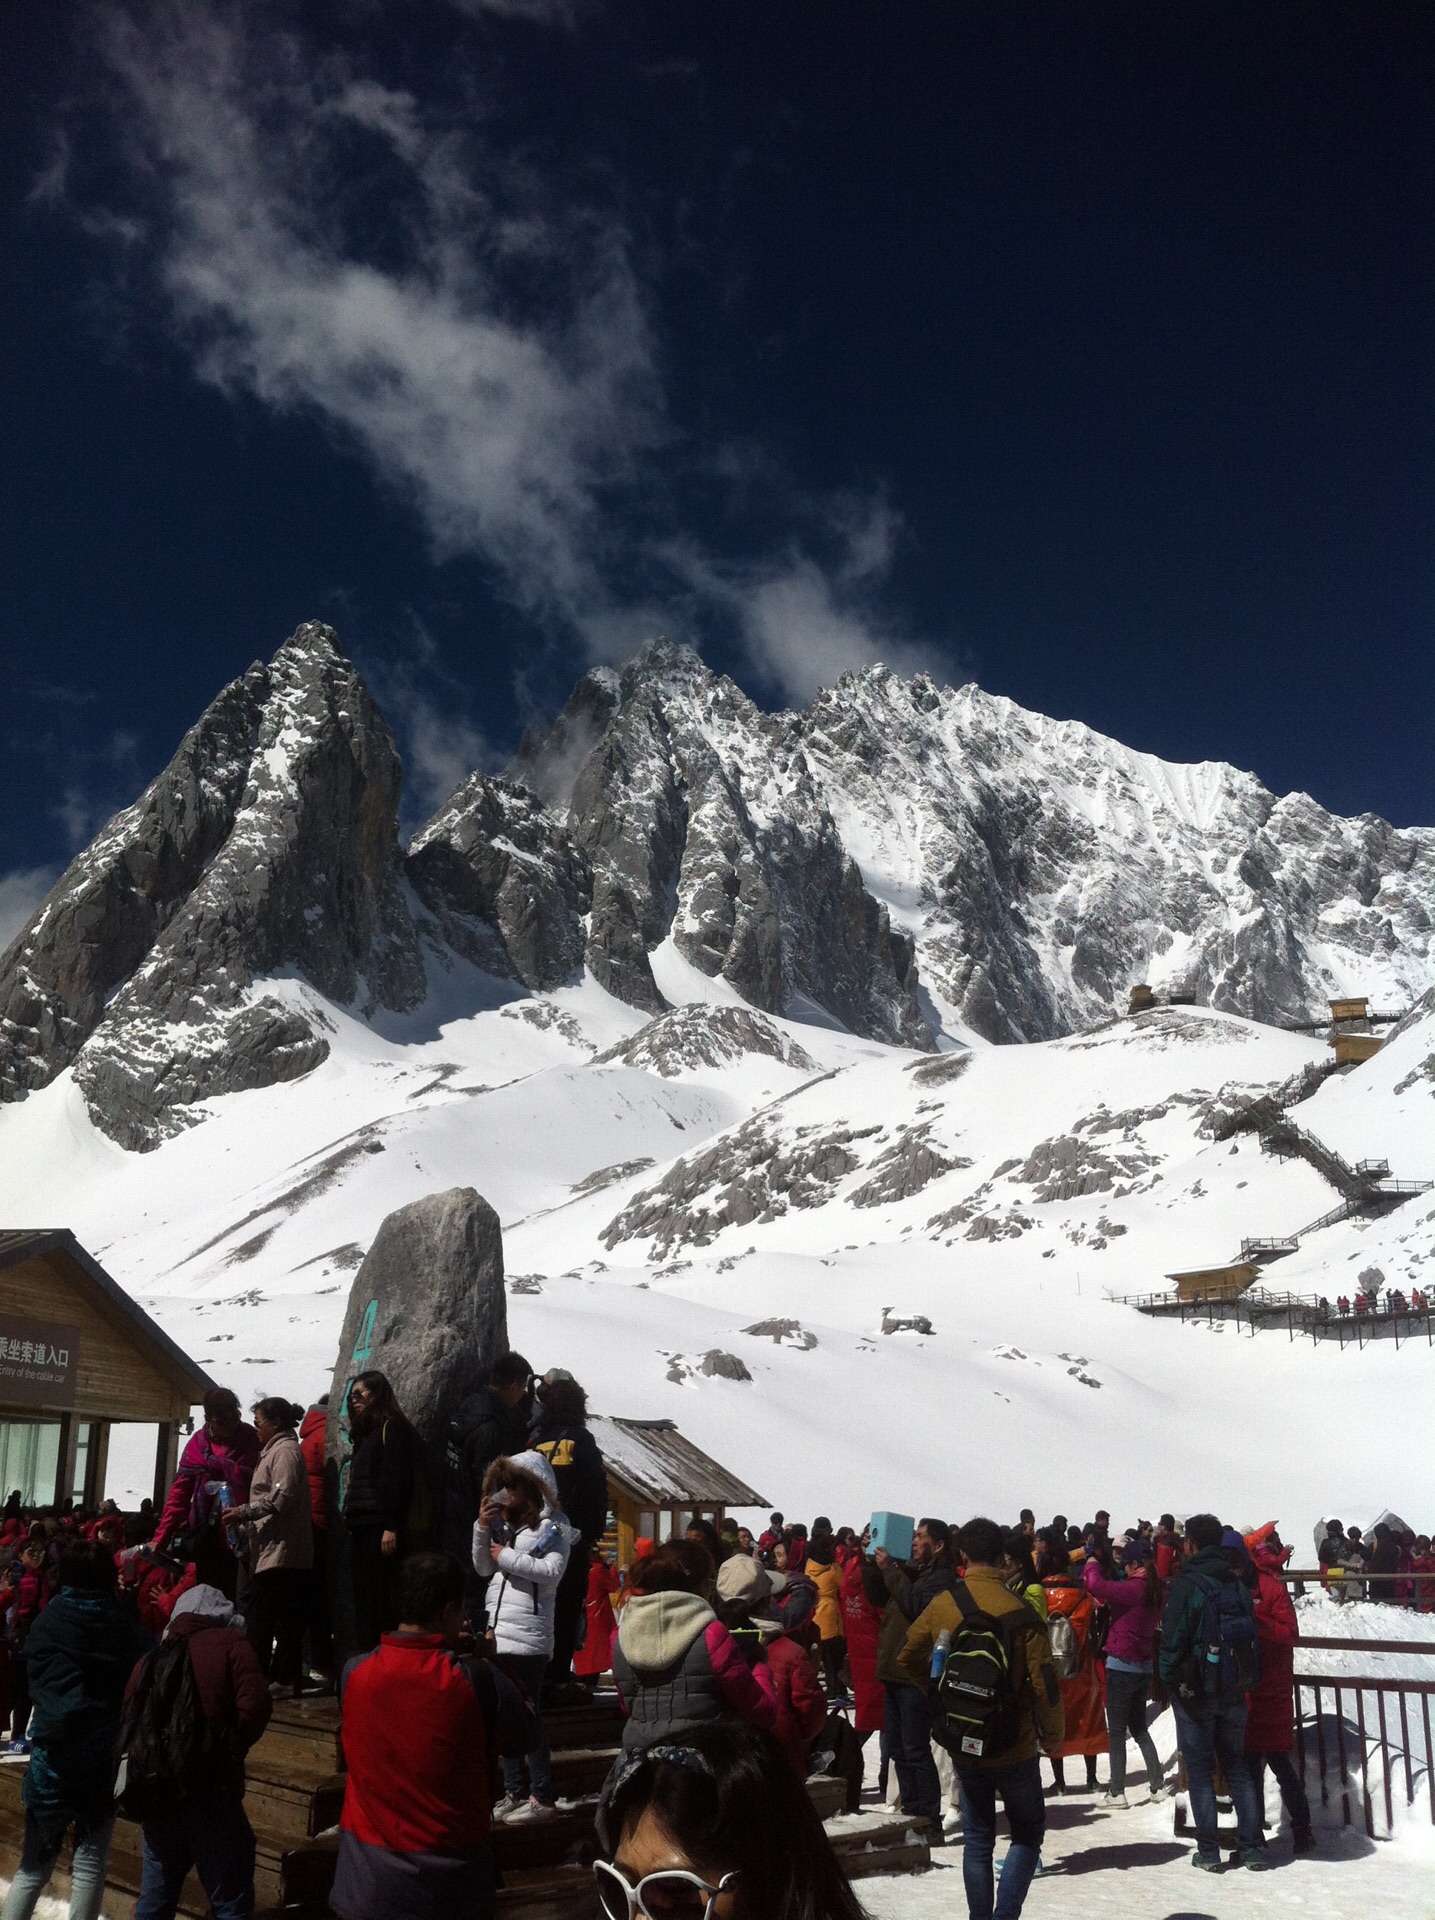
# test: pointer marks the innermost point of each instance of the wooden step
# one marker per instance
(868, 1843)
(597, 1723)
(827, 1793)
(582, 1770)
(306, 1730)
(548, 1893)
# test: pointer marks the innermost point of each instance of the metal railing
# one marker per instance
(1340, 1747)
(1301, 1315)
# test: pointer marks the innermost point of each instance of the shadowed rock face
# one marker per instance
(268, 844)
(702, 823)
(504, 882)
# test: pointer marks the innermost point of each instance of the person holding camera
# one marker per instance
(521, 1544)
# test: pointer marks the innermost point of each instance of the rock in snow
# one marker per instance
(427, 1309)
(903, 860)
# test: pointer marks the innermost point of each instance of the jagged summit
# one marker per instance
(268, 843)
(913, 862)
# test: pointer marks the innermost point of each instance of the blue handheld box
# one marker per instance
(894, 1532)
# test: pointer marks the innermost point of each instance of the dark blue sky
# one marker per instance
(1081, 350)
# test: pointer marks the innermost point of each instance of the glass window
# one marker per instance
(29, 1460)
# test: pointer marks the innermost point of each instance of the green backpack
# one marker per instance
(976, 1699)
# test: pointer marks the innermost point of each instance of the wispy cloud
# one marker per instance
(21, 891)
(492, 354)
(441, 744)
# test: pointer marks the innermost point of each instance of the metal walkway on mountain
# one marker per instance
(1304, 1316)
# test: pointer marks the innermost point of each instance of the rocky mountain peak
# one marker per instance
(906, 859)
(269, 843)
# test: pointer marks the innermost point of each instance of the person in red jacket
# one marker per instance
(595, 1656)
(313, 1431)
(421, 1730)
(211, 1835)
(1270, 1706)
(863, 1622)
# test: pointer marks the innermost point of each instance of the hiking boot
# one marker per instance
(1208, 1862)
(531, 1812)
(1253, 1858)
(1303, 1841)
(506, 1808)
(1109, 1799)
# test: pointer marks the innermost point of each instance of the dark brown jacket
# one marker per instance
(231, 1685)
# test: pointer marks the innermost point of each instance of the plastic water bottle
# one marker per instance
(939, 1653)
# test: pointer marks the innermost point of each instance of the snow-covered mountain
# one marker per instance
(918, 865)
(701, 1000)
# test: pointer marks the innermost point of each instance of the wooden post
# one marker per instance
(97, 1463)
(627, 1516)
(65, 1458)
(166, 1460)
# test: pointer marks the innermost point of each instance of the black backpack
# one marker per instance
(1227, 1656)
(171, 1753)
(976, 1700)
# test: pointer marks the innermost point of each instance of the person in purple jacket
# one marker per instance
(1135, 1604)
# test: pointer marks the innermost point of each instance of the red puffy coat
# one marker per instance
(801, 1705)
(862, 1622)
(311, 1444)
(1270, 1706)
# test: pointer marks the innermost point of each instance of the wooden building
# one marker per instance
(1215, 1283)
(1142, 997)
(77, 1356)
(1352, 1048)
(1349, 1010)
(658, 1481)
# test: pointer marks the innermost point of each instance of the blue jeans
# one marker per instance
(218, 1842)
(908, 1728)
(1206, 1731)
(1020, 1789)
(37, 1862)
(528, 1670)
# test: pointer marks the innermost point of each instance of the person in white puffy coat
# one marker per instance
(521, 1544)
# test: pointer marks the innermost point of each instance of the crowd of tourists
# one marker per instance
(450, 1601)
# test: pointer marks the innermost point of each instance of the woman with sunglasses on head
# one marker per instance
(376, 1503)
(715, 1826)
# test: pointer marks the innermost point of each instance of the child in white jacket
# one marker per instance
(521, 1544)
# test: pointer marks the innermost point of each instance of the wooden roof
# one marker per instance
(111, 1299)
(658, 1467)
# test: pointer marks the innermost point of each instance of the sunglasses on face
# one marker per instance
(673, 1894)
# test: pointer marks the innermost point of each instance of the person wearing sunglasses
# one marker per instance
(715, 1826)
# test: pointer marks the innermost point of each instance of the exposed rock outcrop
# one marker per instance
(504, 882)
(705, 1036)
(269, 845)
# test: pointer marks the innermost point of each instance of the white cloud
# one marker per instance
(524, 430)
(21, 891)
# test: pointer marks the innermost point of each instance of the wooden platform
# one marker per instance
(295, 1795)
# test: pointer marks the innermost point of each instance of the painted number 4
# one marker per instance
(364, 1345)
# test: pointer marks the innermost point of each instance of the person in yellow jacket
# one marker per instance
(1014, 1773)
(824, 1573)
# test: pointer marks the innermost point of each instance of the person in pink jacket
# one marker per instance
(220, 1455)
(675, 1664)
(1134, 1601)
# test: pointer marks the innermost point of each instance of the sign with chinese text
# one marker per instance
(39, 1363)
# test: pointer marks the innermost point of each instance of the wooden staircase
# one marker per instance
(295, 1794)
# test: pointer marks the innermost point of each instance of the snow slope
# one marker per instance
(660, 1201)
